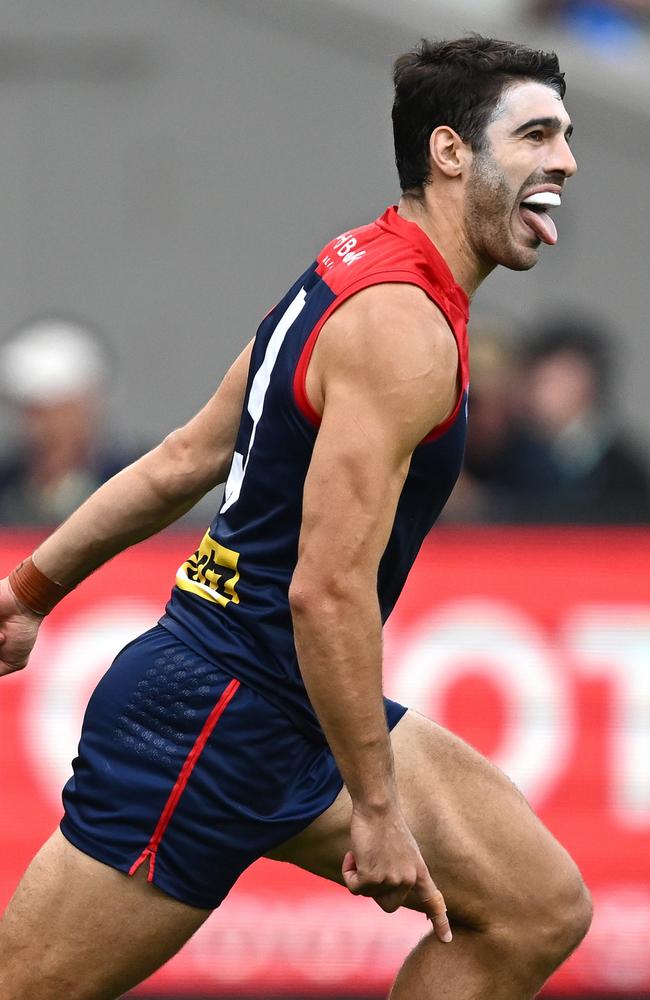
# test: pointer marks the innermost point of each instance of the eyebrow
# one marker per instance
(552, 122)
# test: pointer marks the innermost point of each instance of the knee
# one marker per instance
(572, 913)
(575, 900)
(557, 921)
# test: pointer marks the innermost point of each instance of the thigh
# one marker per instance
(485, 848)
(77, 928)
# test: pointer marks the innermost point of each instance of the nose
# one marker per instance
(562, 159)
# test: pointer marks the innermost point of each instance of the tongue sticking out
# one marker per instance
(541, 224)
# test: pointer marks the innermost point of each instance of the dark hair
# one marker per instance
(457, 83)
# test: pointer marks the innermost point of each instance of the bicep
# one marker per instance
(351, 491)
(381, 393)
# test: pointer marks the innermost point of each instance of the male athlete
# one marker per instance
(251, 721)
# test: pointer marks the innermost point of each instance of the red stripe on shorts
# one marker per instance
(179, 787)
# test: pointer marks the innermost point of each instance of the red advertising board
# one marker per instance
(533, 645)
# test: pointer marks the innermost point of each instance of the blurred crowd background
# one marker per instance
(168, 167)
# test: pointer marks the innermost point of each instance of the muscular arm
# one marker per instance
(136, 503)
(152, 492)
(384, 373)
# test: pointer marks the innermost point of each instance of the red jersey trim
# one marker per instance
(445, 424)
(377, 278)
(151, 849)
(392, 222)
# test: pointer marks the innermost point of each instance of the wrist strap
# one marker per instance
(35, 590)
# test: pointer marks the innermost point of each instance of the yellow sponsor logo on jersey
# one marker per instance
(211, 572)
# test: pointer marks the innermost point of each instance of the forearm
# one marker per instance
(133, 505)
(338, 641)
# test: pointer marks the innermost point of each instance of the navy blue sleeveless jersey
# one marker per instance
(230, 602)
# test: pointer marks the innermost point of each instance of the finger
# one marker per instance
(350, 874)
(391, 901)
(10, 668)
(352, 885)
(349, 864)
(388, 899)
(433, 903)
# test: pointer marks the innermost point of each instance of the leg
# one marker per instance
(516, 901)
(78, 929)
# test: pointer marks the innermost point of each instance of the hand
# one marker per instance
(18, 631)
(385, 863)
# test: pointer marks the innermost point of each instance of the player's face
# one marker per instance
(526, 155)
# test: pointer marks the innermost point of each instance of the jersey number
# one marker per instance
(257, 394)
(211, 572)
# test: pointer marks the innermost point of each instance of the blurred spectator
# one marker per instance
(606, 24)
(506, 465)
(54, 373)
(603, 478)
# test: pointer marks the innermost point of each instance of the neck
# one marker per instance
(439, 215)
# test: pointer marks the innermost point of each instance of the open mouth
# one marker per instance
(533, 212)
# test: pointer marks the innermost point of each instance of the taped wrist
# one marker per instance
(35, 590)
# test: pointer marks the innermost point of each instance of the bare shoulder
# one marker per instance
(389, 338)
(397, 318)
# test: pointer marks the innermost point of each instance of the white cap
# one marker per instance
(49, 361)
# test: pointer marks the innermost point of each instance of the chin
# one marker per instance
(518, 256)
(507, 249)
(522, 262)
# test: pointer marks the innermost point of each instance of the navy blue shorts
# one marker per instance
(185, 770)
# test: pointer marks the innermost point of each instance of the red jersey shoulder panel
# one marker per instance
(391, 249)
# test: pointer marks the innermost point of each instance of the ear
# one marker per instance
(448, 151)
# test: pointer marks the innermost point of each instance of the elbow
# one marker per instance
(301, 597)
(324, 596)
(179, 473)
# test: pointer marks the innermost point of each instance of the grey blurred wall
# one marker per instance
(168, 166)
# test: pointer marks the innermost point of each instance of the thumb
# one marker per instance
(350, 873)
